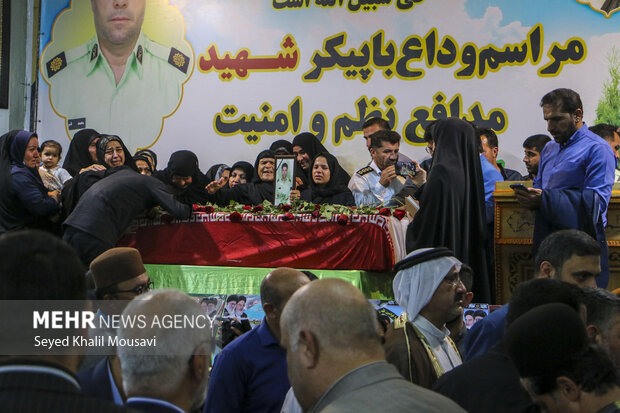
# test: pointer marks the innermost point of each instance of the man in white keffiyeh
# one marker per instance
(430, 290)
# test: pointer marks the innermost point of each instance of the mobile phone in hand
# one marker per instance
(405, 168)
(518, 186)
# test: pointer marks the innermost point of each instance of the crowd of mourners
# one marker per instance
(328, 350)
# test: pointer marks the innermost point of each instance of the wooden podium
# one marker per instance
(513, 232)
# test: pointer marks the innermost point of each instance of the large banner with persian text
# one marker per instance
(225, 78)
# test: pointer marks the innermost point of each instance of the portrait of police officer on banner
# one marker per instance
(120, 80)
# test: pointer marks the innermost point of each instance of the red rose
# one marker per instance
(247, 207)
(354, 208)
(257, 208)
(286, 207)
(343, 219)
(288, 217)
(166, 218)
(235, 217)
(399, 214)
(197, 208)
(209, 209)
(386, 212)
(317, 206)
(316, 213)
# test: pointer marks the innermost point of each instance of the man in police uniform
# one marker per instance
(378, 182)
(284, 185)
(119, 81)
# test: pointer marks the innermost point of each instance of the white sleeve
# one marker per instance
(363, 193)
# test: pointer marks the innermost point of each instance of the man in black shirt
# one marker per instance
(106, 210)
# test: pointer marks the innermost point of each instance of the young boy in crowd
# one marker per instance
(53, 176)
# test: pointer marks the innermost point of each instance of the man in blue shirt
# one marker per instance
(575, 176)
(250, 374)
(569, 255)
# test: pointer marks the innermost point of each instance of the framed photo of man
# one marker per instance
(285, 171)
(132, 96)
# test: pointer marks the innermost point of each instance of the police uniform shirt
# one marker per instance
(84, 89)
(367, 190)
(283, 190)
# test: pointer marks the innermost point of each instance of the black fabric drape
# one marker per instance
(246, 167)
(149, 154)
(102, 144)
(312, 146)
(250, 193)
(78, 156)
(73, 189)
(452, 211)
(334, 191)
(185, 163)
(215, 172)
(282, 147)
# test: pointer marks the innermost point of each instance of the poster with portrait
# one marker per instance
(227, 78)
(473, 313)
(285, 178)
(130, 95)
(211, 304)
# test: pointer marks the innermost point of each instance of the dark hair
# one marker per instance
(241, 298)
(604, 130)
(53, 144)
(377, 138)
(477, 132)
(35, 265)
(429, 132)
(602, 307)
(470, 313)
(232, 297)
(536, 142)
(208, 300)
(490, 135)
(539, 291)
(480, 313)
(561, 245)
(466, 274)
(591, 370)
(382, 123)
(569, 99)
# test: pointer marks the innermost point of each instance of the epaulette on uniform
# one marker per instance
(175, 57)
(400, 321)
(62, 59)
(365, 170)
